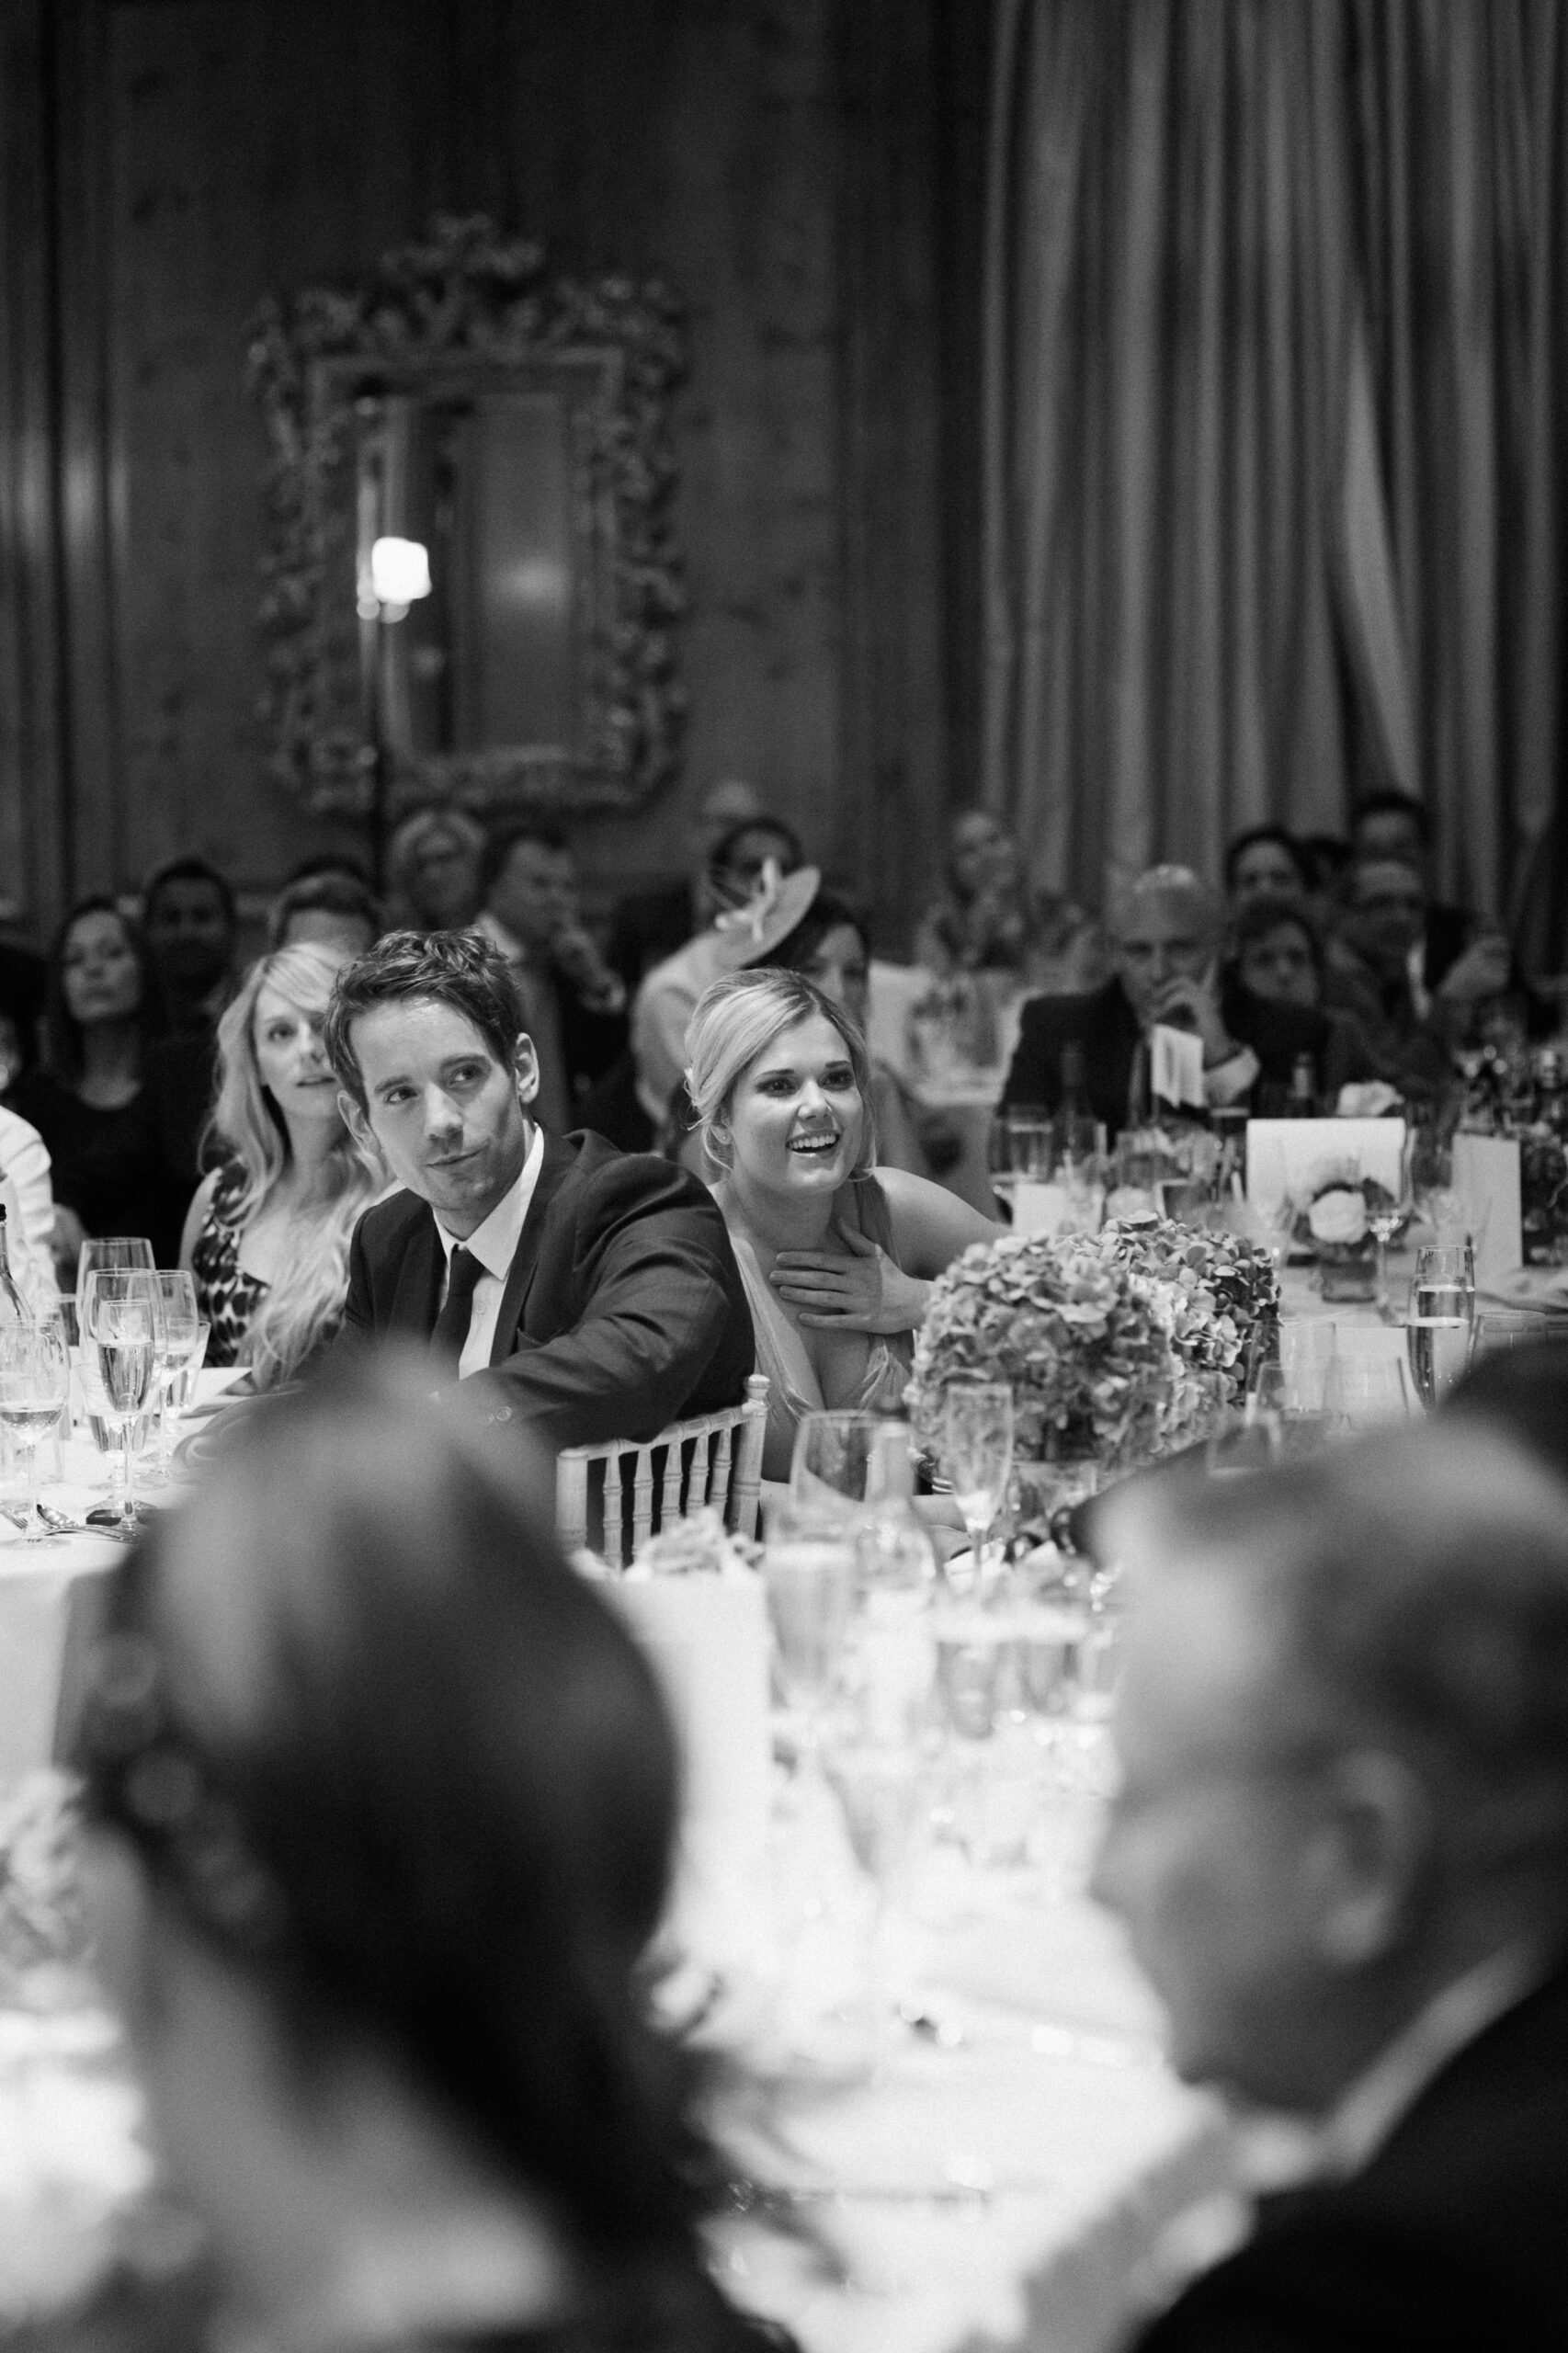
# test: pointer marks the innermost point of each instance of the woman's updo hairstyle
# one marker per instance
(738, 1017)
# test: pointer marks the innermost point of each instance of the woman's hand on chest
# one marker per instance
(849, 1285)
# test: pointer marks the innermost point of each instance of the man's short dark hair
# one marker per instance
(189, 870)
(542, 832)
(453, 968)
(1244, 842)
(329, 891)
(1391, 802)
(724, 849)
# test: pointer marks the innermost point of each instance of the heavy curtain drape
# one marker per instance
(1275, 429)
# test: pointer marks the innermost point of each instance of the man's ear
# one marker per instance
(1373, 1857)
(525, 1062)
(357, 1123)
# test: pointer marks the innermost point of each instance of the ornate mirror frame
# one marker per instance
(462, 306)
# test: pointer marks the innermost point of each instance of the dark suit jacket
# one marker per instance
(1106, 1027)
(1456, 2235)
(647, 926)
(623, 1311)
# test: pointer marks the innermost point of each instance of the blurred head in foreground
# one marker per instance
(382, 1799)
(1343, 1734)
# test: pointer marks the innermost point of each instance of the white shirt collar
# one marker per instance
(494, 1243)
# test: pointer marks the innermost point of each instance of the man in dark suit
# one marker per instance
(1166, 939)
(596, 1292)
(1340, 1847)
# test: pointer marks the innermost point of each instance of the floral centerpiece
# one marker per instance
(1105, 1339)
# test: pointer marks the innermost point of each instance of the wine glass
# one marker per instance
(844, 1459)
(108, 1250)
(977, 1455)
(177, 1325)
(1440, 1326)
(119, 1325)
(883, 1799)
(35, 1381)
(1506, 1327)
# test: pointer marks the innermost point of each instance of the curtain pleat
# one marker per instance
(1274, 490)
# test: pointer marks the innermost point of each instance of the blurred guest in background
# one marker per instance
(574, 1005)
(1370, 975)
(1165, 941)
(382, 1802)
(434, 862)
(1263, 858)
(1276, 957)
(332, 908)
(837, 1253)
(992, 919)
(92, 1100)
(267, 1233)
(592, 1293)
(191, 923)
(651, 924)
(1340, 1849)
(21, 1006)
(744, 875)
(1396, 826)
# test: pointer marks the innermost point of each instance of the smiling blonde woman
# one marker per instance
(269, 1231)
(838, 1253)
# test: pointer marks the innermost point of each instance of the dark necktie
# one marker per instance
(451, 1324)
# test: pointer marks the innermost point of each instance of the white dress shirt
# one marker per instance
(494, 1245)
(28, 1196)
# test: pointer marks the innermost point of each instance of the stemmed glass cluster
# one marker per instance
(140, 1344)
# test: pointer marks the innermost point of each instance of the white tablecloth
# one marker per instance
(47, 1594)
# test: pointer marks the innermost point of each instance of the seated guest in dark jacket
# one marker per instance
(574, 1005)
(1373, 959)
(648, 925)
(1340, 1848)
(1166, 940)
(94, 1099)
(596, 1292)
(383, 1799)
(1276, 958)
(21, 1009)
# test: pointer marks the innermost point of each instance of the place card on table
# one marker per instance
(1175, 1066)
(1486, 1178)
(1293, 1158)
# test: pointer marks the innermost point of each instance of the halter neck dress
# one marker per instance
(793, 1389)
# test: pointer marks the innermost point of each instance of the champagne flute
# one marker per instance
(977, 1455)
(807, 1568)
(108, 1250)
(177, 1324)
(883, 1799)
(1388, 1215)
(120, 1324)
(1440, 1326)
(35, 1381)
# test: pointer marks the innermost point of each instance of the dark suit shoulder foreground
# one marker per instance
(623, 1311)
(1455, 2236)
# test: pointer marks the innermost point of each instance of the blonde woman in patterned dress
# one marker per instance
(267, 1233)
